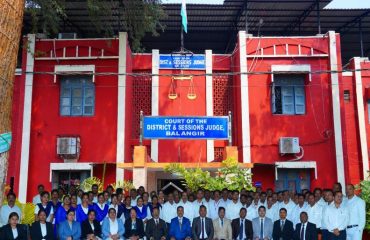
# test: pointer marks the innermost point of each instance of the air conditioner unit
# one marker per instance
(67, 35)
(68, 147)
(289, 145)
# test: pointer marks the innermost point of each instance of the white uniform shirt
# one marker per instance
(289, 207)
(357, 212)
(36, 199)
(113, 226)
(213, 208)
(233, 210)
(336, 217)
(272, 213)
(43, 229)
(315, 214)
(169, 211)
(323, 225)
(6, 210)
(196, 206)
(297, 212)
(322, 202)
(252, 211)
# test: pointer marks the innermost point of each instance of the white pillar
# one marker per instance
(361, 117)
(335, 93)
(155, 100)
(244, 95)
(26, 128)
(121, 110)
(209, 102)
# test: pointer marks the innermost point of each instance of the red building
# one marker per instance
(297, 118)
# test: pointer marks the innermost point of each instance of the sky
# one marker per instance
(335, 4)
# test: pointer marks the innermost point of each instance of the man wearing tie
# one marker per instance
(305, 230)
(262, 225)
(180, 228)
(242, 227)
(202, 225)
(156, 228)
(222, 226)
(283, 228)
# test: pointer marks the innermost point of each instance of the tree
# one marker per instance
(11, 17)
(141, 16)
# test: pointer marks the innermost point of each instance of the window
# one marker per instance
(77, 96)
(288, 94)
(346, 95)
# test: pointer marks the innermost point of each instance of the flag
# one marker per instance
(184, 18)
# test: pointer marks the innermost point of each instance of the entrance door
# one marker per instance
(68, 179)
(292, 180)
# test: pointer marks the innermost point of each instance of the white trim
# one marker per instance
(60, 69)
(26, 128)
(284, 56)
(297, 68)
(121, 110)
(336, 107)
(209, 102)
(155, 100)
(70, 166)
(75, 58)
(347, 74)
(361, 118)
(73, 39)
(244, 98)
(298, 165)
(18, 71)
(276, 37)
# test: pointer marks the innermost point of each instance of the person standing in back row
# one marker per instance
(357, 214)
(336, 218)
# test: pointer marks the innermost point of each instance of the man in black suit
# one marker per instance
(305, 230)
(202, 226)
(156, 228)
(283, 228)
(241, 227)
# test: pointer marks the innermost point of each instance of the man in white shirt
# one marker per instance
(199, 202)
(329, 198)
(314, 211)
(134, 196)
(169, 209)
(225, 197)
(215, 205)
(300, 207)
(271, 210)
(233, 207)
(7, 209)
(357, 214)
(336, 218)
(288, 204)
(187, 206)
(37, 198)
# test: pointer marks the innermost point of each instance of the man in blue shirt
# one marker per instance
(180, 228)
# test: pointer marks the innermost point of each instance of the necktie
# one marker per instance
(202, 226)
(261, 233)
(222, 222)
(302, 232)
(282, 225)
(241, 230)
(156, 222)
(180, 221)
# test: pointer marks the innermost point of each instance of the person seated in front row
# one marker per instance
(42, 229)
(180, 228)
(13, 230)
(242, 227)
(202, 226)
(283, 228)
(156, 228)
(69, 229)
(134, 227)
(90, 228)
(112, 227)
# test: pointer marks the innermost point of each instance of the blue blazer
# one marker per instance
(175, 229)
(65, 231)
(106, 228)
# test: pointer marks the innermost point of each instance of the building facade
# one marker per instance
(77, 106)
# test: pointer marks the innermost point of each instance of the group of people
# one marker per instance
(218, 215)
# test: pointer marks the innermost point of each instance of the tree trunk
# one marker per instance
(11, 18)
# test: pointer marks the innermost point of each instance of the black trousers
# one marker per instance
(342, 235)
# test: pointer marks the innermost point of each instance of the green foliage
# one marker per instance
(230, 176)
(364, 186)
(138, 17)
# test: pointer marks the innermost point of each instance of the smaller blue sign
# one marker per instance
(185, 127)
(5, 141)
(195, 62)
